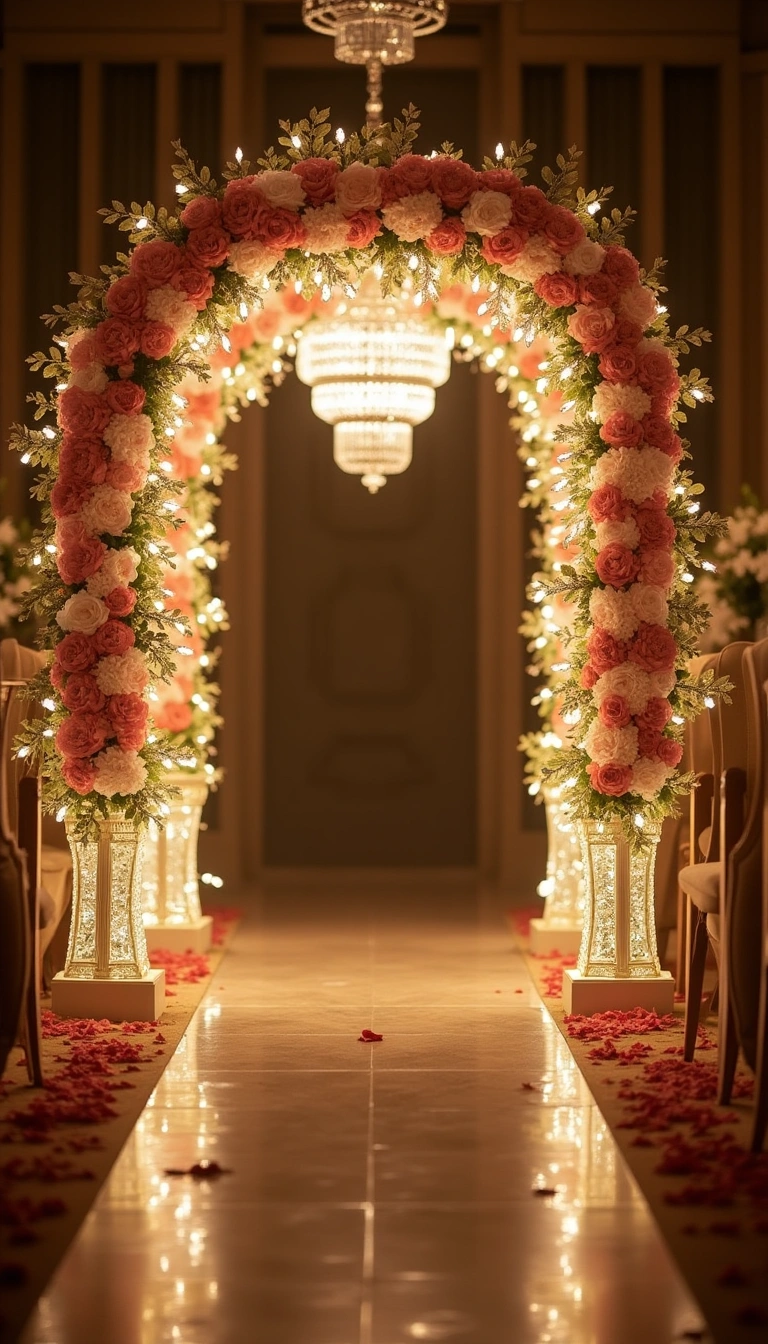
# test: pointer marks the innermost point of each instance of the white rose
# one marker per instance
(487, 213)
(638, 304)
(414, 217)
(612, 397)
(628, 680)
(118, 771)
(123, 674)
(169, 305)
(648, 777)
(357, 188)
(93, 378)
(82, 613)
(252, 260)
(326, 228)
(107, 511)
(626, 533)
(649, 603)
(283, 190)
(585, 258)
(536, 259)
(606, 746)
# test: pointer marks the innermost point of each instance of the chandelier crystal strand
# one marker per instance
(367, 30)
(373, 369)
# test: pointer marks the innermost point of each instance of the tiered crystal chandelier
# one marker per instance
(373, 369)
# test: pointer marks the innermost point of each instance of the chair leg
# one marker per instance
(760, 1115)
(728, 1053)
(682, 941)
(697, 960)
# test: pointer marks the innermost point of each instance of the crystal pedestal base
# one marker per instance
(193, 936)
(586, 995)
(138, 1000)
(544, 938)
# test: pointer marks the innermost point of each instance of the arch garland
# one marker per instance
(124, 450)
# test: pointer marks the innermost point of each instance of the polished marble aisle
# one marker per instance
(378, 1194)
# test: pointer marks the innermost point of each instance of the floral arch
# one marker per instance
(171, 339)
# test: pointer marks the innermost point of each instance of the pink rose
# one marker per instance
(621, 266)
(504, 247)
(83, 734)
(120, 601)
(562, 229)
(201, 213)
(126, 298)
(591, 327)
(83, 353)
(530, 209)
(648, 740)
(157, 340)
(656, 528)
(56, 676)
(598, 288)
(653, 648)
(625, 333)
(79, 775)
(80, 557)
(82, 461)
(128, 716)
(240, 207)
(588, 677)
(558, 290)
(448, 239)
(279, 229)
(499, 179)
(117, 340)
(638, 304)
(618, 364)
(68, 496)
(669, 752)
(617, 565)
(656, 714)
(364, 226)
(125, 398)
(621, 430)
(655, 371)
(126, 476)
(613, 780)
(657, 567)
(453, 181)
(608, 505)
(208, 247)
(172, 716)
(155, 262)
(614, 712)
(318, 178)
(82, 695)
(195, 282)
(605, 651)
(662, 402)
(659, 433)
(411, 175)
(83, 413)
(113, 638)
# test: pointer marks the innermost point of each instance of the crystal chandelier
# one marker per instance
(373, 368)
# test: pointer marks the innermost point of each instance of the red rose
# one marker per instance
(448, 239)
(83, 461)
(605, 651)
(499, 179)
(364, 225)
(126, 298)
(80, 557)
(208, 247)
(113, 638)
(621, 430)
(411, 175)
(201, 213)
(618, 364)
(655, 526)
(68, 496)
(83, 735)
(117, 340)
(659, 433)
(126, 477)
(558, 290)
(617, 565)
(621, 266)
(124, 397)
(241, 204)
(656, 714)
(79, 775)
(653, 648)
(613, 780)
(56, 676)
(82, 695)
(128, 716)
(157, 340)
(504, 247)
(155, 262)
(530, 208)
(655, 371)
(195, 282)
(279, 229)
(608, 505)
(625, 332)
(318, 178)
(562, 230)
(85, 413)
(121, 601)
(614, 712)
(670, 752)
(588, 677)
(75, 653)
(598, 288)
(453, 181)
(173, 717)
(663, 401)
(648, 740)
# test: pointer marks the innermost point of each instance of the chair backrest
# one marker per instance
(699, 733)
(731, 747)
(18, 665)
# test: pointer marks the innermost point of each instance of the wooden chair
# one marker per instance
(701, 880)
(760, 1116)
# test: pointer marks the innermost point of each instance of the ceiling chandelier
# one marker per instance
(373, 365)
(373, 368)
